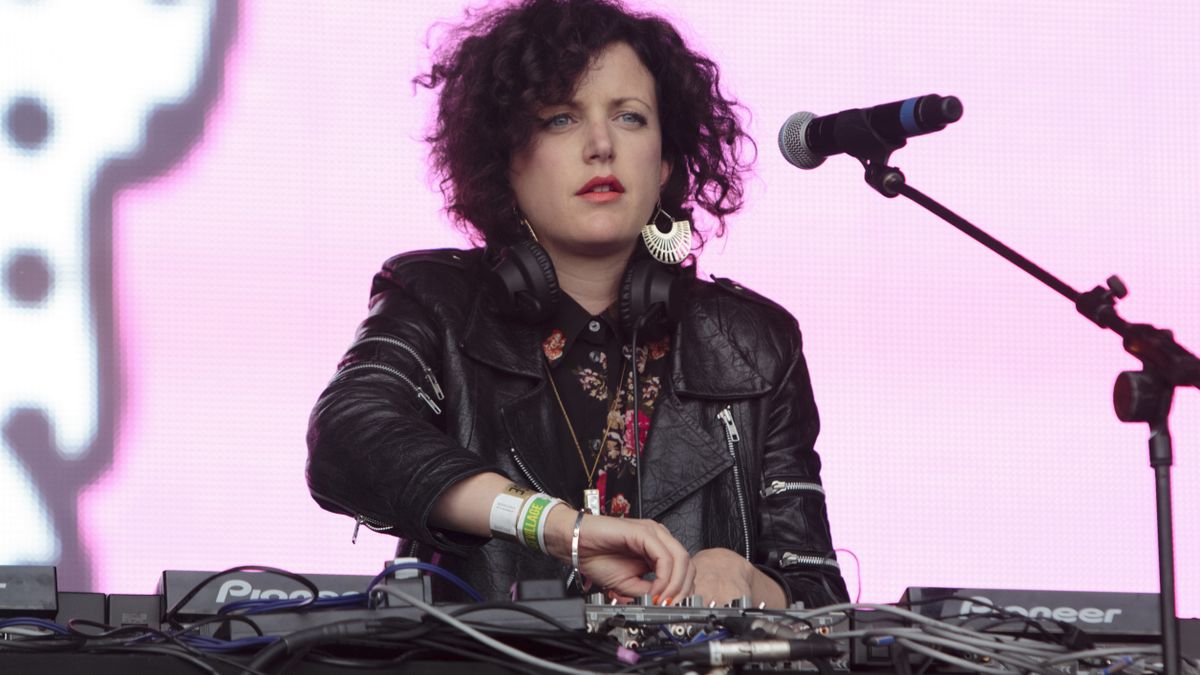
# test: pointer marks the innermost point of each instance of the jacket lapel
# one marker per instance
(509, 345)
(685, 450)
(680, 455)
(535, 427)
(531, 418)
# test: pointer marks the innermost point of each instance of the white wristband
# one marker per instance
(506, 508)
(532, 518)
(541, 526)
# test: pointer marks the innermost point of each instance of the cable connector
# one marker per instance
(404, 572)
(725, 652)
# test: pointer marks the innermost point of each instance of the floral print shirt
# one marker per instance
(586, 356)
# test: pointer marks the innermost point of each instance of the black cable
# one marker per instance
(824, 666)
(637, 401)
(303, 640)
(171, 647)
(172, 644)
(579, 650)
(475, 654)
(637, 398)
(646, 664)
(317, 656)
(57, 643)
(563, 638)
(106, 630)
(169, 617)
(164, 649)
(453, 637)
(1003, 616)
(111, 633)
(400, 628)
(234, 664)
(580, 644)
(568, 651)
(514, 606)
(224, 619)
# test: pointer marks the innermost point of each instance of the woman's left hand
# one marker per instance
(722, 576)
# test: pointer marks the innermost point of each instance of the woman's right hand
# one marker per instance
(615, 553)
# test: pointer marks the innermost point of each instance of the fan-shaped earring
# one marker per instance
(670, 247)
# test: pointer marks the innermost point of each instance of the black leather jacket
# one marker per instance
(438, 387)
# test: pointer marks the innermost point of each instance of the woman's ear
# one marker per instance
(663, 174)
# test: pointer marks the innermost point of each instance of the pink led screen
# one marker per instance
(968, 433)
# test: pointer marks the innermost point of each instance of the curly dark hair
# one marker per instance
(497, 69)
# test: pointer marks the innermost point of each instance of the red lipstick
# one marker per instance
(601, 189)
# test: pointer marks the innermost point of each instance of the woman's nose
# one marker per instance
(599, 142)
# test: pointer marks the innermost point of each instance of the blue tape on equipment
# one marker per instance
(908, 116)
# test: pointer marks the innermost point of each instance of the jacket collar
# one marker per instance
(510, 345)
(706, 363)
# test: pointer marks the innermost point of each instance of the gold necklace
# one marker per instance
(591, 495)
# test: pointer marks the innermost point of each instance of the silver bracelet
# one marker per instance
(575, 540)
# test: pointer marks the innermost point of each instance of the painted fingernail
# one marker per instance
(668, 601)
(655, 599)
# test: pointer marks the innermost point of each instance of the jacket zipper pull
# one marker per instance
(775, 487)
(358, 521)
(726, 418)
(778, 486)
(425, 397)
(433, 383)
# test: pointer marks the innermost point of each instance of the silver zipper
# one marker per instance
(371, 365)
(374, 525)
(732, 438)
(433, 383)
(525, 470)
(793, 559)
(359, 519)
(537, 486)
(407, 549)
(777, 486)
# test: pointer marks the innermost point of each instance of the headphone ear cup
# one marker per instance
(650, 286)
(525, 282)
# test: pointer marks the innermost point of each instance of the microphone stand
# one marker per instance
(1138, 396)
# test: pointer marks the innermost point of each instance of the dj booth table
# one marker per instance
(241, 617)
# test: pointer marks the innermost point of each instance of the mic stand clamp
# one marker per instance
(1138, 396)
(887, 180)
(860, 140)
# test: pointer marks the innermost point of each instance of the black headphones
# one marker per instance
(526, 286)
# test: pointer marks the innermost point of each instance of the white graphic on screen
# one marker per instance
(88, 76)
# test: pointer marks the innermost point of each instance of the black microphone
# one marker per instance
(806, 140)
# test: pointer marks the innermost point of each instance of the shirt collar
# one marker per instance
(572, 323)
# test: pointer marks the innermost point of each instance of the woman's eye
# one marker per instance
(632, 118)
(556, 121)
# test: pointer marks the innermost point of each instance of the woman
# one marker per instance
(570, 135)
